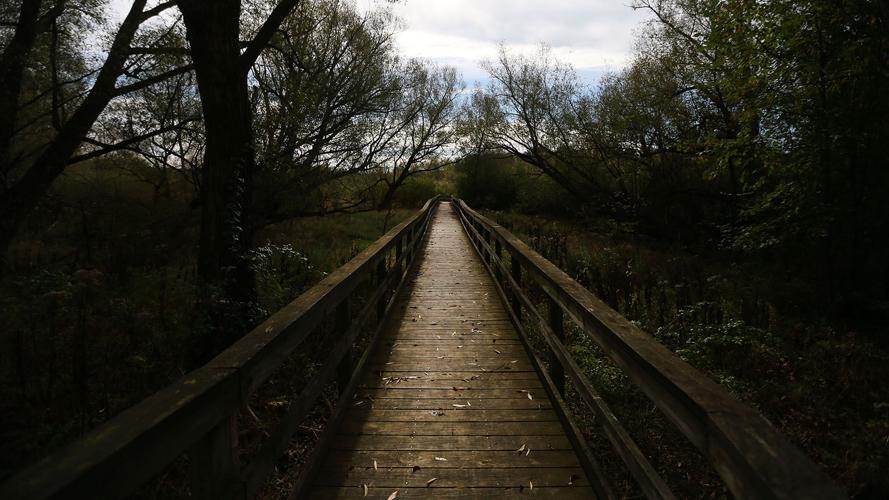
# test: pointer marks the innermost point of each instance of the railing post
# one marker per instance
(381, 280)
(399, 252)
(343, 321)
(214, 462)
(410, 245)
(517, 276)
(556, 322)
(498, 249)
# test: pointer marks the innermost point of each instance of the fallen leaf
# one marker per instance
(441, 459)
(415, 469)
(434, 479)
(529, 396)
(365, 489)
(572, 478)
(498, 352)
(521, 449)
(375, 465)
(527, 452)
(393, 496)
(437, 413)
(530, 485)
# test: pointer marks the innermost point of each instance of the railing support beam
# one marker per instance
(214, 463)
(515, 299)
(343, 321)
(556, 323)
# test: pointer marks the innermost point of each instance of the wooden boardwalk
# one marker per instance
(450, 406)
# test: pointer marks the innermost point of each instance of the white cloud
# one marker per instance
(593, 35)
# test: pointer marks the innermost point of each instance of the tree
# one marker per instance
(792, 92)
(226, 289)
(535, 110)
(32, 155)
(341, 117)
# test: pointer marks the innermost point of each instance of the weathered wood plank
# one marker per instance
(371, 442)
(446, 459)
(458, 416)
(457, 392)
(468, 493)
(452, 478)
(423, 382)
(446, 404)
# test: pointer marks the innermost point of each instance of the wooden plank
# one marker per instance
(372, 442)
(457, 392)
(456, 415)
(455, 375)
(446, 459)
(451, 403)
(451, 478)
(483, 382)
(462, 347)
(442, 364)
(566, 493)
(425, 341)
(449, 429)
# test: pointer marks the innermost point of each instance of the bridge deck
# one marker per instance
(450, 395)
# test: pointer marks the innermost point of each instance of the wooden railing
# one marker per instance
(198, 415)
(754, 460)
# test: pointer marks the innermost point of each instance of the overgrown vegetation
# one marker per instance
(99, 312)
(746, 325)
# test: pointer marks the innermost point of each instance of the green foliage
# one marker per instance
(99, 308)
(743, 324)
(281, 274)
(509, 184)
(487, 183)
(417, 190)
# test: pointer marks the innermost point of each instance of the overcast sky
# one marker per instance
(593, 35)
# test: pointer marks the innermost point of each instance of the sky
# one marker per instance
(595, 36)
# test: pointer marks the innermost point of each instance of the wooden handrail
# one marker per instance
(197, 415)
(753, 458)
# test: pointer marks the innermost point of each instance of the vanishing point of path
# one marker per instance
(450, 406)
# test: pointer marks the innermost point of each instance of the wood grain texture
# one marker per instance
(450, 393)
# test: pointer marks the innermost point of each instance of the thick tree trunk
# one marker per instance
(212, 30)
